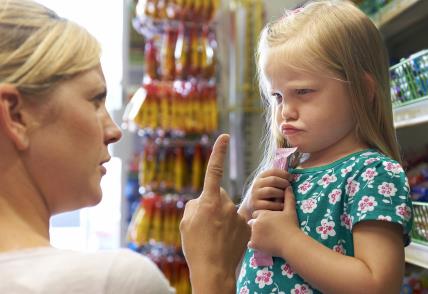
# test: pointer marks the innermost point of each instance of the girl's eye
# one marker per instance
(277, 97)
(303, 91)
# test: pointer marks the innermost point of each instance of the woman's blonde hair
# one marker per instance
(38, 48)
(333, 37)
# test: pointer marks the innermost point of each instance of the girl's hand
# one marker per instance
(267, 192)
(270, 230)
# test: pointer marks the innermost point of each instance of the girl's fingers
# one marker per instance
(275, 172)
(269, 205)
(256, 215)
(269, 193)
(273, 181)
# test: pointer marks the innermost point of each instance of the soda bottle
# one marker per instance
(179, 169)
(195, 53)
(165, 109)
(150, 59)
(162, 9)
(181, 53)
(157, 227)
(167, 55)
(197, 169)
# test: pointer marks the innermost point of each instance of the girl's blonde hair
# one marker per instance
(38, 48)
(333, 37)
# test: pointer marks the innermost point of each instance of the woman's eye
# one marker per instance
(98, 101)
(303, 91)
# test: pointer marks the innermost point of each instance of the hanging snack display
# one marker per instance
(195, 11)
(173, 168)
(175, 113)
(178, 109)
(254, 24)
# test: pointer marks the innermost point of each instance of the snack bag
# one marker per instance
(281, 162)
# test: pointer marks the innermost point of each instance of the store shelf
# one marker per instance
(411, 114)
(417, 254)
(399, 15)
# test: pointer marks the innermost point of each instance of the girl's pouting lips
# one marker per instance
(289, 130)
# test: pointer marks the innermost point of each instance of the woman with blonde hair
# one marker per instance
(54, 134)
(338, 220)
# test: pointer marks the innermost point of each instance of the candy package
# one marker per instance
(281, 160)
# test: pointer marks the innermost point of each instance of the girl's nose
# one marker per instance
(288, 111)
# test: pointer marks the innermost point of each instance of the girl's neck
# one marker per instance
(331, 154)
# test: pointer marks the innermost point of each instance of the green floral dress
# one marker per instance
(330, 200)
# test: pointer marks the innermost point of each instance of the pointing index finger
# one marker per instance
(215, 166)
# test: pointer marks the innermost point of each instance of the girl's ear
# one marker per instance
(12, 122)
(371, 86)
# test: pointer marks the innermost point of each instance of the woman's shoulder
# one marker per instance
(108, 271)
(130, 270)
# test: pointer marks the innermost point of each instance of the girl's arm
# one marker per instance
(377, 267)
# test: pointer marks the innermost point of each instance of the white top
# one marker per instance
(48, 270)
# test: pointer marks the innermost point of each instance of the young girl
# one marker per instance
(346, 215)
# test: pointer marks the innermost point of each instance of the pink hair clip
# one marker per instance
(291, 12)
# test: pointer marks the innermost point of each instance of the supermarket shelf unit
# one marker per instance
(399, 15)
(417, 254)
(411, 114)
(396, 18)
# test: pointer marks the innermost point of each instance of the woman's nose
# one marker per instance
(112, 133)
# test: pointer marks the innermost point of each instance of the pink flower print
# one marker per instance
(308, 205)
(304, 187)
(243, 272)
(301, 289)
(326, 180)
(253, 263)
(339, 249)
(403, 211)
(346, 170)
(387, 189)
(296, 177)
(244, 290)
(369, 174)
(368, 153)
(264, 277)
(395, 168)
(371, 160)
(367, 203)
(352, 187)
(326, 229)
(346, 221)
(287, 271)
(384, 218)
(334, 196)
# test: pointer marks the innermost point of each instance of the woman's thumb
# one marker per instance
(289, 200)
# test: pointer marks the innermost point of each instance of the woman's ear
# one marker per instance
(371, 86)
(12, 122)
